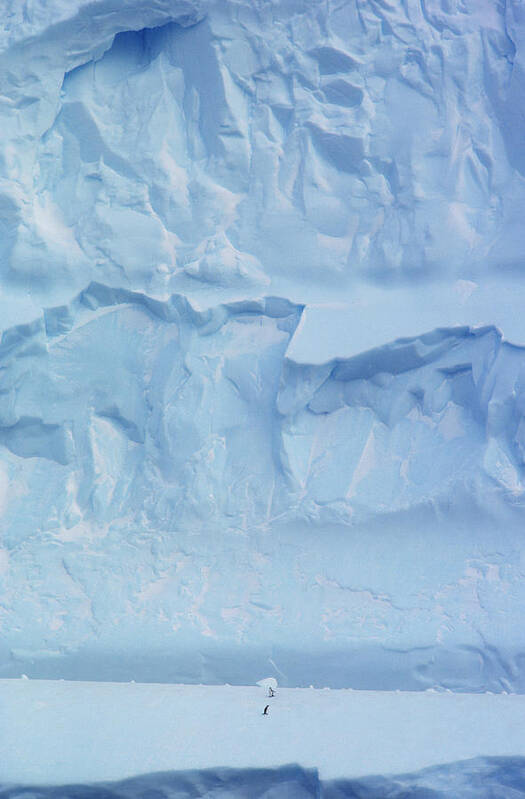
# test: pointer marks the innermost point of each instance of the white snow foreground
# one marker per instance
(59, 732)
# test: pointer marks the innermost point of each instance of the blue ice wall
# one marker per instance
(262, 367)
(480, 778)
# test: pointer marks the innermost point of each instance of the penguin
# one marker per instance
(271, 692)
(266, 709)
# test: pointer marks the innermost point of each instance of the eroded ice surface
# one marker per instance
(263, 376)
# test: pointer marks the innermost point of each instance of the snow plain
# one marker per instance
(57, 732)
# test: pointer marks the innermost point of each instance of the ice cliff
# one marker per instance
(262, 359)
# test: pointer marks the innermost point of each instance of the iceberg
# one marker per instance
(262, 339)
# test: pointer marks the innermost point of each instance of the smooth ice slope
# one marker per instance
(263, 376)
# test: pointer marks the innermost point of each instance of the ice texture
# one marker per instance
(262, 357)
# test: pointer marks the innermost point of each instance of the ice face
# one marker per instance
(263, 378)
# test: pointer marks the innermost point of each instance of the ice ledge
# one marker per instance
(335, 331)
(326, 332)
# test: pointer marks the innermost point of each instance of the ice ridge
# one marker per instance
(482, 778)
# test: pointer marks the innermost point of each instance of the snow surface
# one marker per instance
(57, 732)
(262, 347)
